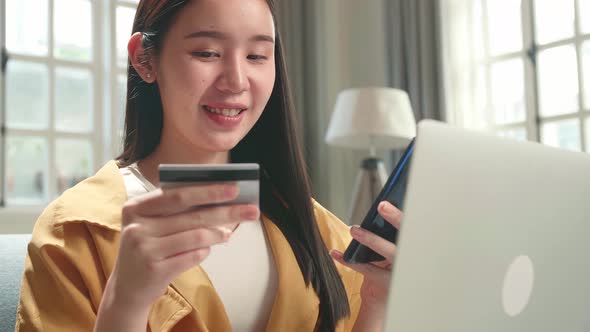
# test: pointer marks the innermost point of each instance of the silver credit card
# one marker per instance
(246, 176)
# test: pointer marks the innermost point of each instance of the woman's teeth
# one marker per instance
(224, 111)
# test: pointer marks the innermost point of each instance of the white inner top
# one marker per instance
(242, 270)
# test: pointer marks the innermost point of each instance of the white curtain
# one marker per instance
(462, 48)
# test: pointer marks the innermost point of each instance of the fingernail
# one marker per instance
(356, 231)
(249, 212)
(226, 232)
(231, 191)
(386, 207)
(337, 254)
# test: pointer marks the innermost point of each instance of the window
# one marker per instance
(63, 81)
(520, 68)
(124, 15)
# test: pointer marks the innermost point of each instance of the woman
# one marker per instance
(207, 84)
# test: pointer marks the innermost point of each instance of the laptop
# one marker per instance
(495, 237)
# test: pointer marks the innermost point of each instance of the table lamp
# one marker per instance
(370, 119)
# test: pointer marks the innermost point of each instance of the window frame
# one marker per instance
(529, 53)
(104, 136)
(52, 134)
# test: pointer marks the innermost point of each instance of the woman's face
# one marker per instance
(216, 72)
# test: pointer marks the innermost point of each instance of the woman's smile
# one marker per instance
(227, 116)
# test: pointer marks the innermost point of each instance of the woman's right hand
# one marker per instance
(163, 235)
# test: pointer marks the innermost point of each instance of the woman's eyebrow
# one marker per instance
(223, 36)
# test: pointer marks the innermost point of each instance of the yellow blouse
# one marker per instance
(73, 251)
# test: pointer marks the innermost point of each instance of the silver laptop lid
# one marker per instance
(496, 237)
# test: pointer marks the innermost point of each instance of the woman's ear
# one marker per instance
(140, 60)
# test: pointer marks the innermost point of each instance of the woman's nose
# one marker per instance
(234, 78)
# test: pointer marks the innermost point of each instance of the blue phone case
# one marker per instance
(394, 192)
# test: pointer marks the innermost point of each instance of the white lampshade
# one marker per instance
(366, 118)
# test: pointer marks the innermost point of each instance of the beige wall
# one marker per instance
(351, 45)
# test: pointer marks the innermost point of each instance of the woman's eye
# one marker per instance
(256, 57)
(205, 54)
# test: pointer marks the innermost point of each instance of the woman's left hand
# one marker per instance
(377, 275)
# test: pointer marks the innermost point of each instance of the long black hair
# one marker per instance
(273, 143)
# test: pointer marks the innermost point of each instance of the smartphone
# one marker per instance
(394, 192)
(246, 176)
